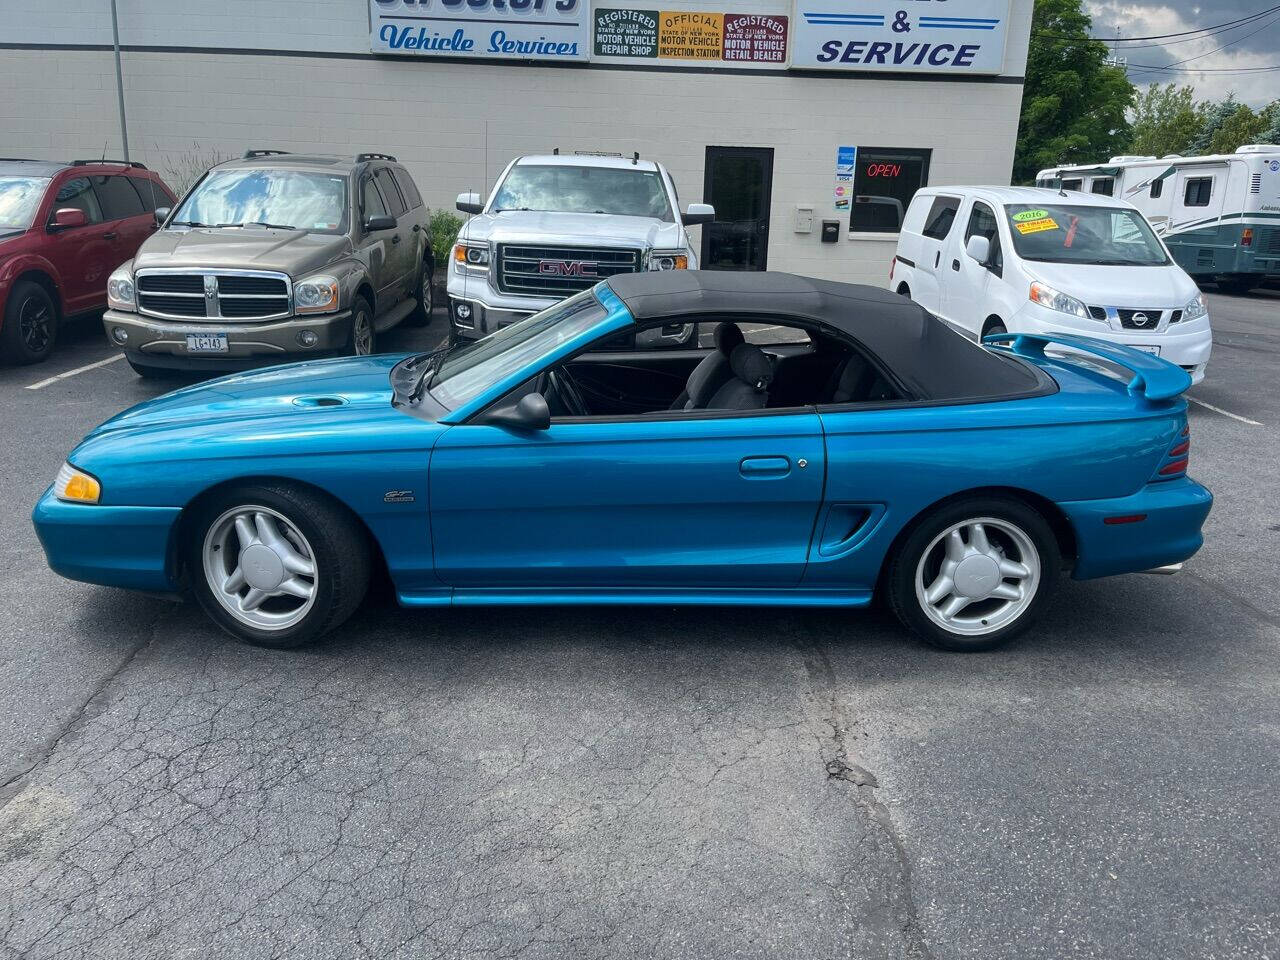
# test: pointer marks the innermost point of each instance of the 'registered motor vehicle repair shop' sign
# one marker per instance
(940, 36)
(518, 29)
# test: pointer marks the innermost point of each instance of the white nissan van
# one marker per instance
(1029, 260)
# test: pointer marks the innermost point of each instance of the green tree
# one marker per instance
(1212, 117)
(1165, 120)
(1270, 123)
(1241, 127)
(1073, 104)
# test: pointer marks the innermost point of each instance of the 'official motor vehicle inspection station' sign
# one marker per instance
(955, 36)
(515, 29)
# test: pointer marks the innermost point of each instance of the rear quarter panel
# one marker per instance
(1090, 441)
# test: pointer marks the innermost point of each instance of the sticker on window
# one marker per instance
(1026, 215)
(1037, 226)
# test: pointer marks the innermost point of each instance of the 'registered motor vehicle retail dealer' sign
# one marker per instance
(941, 36)
(515, 29)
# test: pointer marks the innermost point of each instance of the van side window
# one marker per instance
(941, 215)
(1199, 190)
(982, 223)
(1072, 184)
(1103, 185)
(1157, 188)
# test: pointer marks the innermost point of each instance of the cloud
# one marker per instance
(1255, 44)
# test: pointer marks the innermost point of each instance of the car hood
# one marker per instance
(587, 229)
(1166, 287)
(294, 252)
(284, 394)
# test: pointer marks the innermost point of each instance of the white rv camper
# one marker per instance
(1219, 215)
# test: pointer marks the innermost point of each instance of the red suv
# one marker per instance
(63, 228)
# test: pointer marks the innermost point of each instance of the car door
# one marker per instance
(930, 272)
(403, 246)
(378, 246)
(83, 256)
(674, 501)
(971, 293)
(125, 214)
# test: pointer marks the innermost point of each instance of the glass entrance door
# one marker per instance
(738, 183)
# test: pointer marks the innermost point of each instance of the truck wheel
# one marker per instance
(974, 574)
(30, 325)
(363, 339)
(421, 315)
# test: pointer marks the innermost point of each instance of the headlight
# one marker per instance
(120, 292)
(470, 256)
(315, 295)
(669, 260)
(1195, 308)
(76, 486)
(1046, 296)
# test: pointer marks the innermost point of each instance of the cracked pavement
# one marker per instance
(649, 783)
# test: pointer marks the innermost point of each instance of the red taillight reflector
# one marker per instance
(1180, 449)
(1178, 466)
(1125, 518)
(1246, 237)
(893, 265)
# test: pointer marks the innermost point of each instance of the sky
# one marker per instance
(1255, 44)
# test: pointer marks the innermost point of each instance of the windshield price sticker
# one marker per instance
(1037, 226)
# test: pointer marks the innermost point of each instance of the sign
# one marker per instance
(934, 36)
(690, 36)
(755, 38)
(504, 29)
(626, 33)
(842, 191)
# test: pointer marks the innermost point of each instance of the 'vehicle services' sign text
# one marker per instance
(515, 29)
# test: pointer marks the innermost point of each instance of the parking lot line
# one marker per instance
(1225, 413)
(40, 384)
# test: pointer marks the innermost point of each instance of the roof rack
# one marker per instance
(24, 160)
(362, 157)
(635, 157)
(122, 163)
(251, 154)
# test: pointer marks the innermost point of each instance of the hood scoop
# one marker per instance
(319, 401)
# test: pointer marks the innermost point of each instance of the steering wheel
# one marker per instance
(566, 388)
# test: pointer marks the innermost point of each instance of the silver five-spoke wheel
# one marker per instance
(977, 576)
(260, 567)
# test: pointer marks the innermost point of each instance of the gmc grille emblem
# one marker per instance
(567, 268)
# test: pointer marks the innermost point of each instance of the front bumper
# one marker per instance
(1173, 512)
(164, 342)
(1186, 344)
(126, 547)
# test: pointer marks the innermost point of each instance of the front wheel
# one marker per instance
(974, 574)
(363, 340)
(276, 565)
(30, 327)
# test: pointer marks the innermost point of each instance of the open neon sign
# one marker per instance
(884, 169)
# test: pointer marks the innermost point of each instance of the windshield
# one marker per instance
(626, 193)
(283, 198)
(1102, 236)
(19, 198)
(468, 371)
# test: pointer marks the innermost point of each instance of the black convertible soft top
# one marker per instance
(928, 358)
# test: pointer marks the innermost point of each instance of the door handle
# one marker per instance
(763, 468)
(395, 239)
(417, 227)
(955, 265)
(110, 236)
(937, 259)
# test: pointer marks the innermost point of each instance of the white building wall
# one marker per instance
(455, 125)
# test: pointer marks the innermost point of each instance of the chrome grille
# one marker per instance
(559, 271)
(227, 294)
(1151, 318)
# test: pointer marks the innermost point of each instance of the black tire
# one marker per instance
(904, 291)
(994, 325)
(905, 564)
(148, 372)
(30, 328)
(340, 549)
(358, 307)
(424, 297)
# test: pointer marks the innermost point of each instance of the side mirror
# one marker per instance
(699, 213)
(978, 248)
(529, 413)
(162, 214)
(380, 222)
(470, 203)
(68, 217)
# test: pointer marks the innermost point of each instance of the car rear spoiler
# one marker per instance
(1153, 378)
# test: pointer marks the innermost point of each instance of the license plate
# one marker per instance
(206, 343)
(1145, 349)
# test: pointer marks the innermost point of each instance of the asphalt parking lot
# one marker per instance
(648, 782)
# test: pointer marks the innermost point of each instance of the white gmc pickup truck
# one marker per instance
(557, 224)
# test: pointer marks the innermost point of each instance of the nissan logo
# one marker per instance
(1140, 319)
(567, 268)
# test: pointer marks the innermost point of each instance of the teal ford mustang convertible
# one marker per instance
(825, 442)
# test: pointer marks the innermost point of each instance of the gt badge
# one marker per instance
(398, 496)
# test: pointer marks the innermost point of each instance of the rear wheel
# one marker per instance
(30, 324)
(974, 574)
(275, 565)
(363, 339)
(421, 315)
